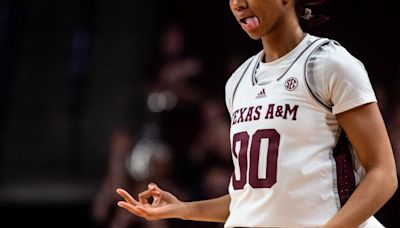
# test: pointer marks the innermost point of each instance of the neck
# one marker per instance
(277, 43)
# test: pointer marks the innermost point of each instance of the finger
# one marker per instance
(133, 209)
(156, 193)
(144, 196)
(138, 210)
(154, 187)
(127, 197)
(157, 197)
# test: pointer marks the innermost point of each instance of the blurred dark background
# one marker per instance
(100, 94)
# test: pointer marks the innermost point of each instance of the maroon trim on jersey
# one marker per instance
(309, 70)
(346, 182)
(237, 85)
(297, 58)
(253, 73)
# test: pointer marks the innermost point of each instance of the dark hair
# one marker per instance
(304, 12)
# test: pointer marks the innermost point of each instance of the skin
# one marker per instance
(279, 32)
(368, 135)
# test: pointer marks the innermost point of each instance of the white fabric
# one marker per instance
(304, 194)
(338, 78)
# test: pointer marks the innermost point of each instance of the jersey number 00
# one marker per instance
(271, 161)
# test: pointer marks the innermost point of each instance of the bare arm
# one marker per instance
(212, 210)
(165, 205)
(368, 135)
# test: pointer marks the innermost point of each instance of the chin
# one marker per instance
(254, 36)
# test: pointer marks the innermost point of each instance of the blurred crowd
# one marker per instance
(183, 143)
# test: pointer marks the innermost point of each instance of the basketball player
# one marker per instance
(294, 107)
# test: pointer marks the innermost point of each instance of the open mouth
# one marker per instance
(243, 20)
(251, 21)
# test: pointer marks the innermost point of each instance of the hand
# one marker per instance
(164, 204)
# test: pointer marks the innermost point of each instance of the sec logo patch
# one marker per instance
(291, 84)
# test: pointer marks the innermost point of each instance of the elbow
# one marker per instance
(394, 178)
(394, 186)
(392, 181)
(386, 178)
(395, 182)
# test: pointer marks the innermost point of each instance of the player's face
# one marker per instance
(258, 17)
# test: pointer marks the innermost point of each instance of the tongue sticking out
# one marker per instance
(252, 22)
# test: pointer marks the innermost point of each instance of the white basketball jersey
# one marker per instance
(292, 164)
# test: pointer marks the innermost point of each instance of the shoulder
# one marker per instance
(238, 73)
(333, 57)
(335, 77)
(235, 79)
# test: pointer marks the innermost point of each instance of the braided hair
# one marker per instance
(305, 15)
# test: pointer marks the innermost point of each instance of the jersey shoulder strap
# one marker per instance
(309, 74)
(251, 65)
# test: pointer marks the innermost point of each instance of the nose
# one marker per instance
(238, 4)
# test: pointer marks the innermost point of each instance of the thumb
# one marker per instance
(156, 193)
(153, 187)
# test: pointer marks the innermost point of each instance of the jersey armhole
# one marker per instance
(308, 72)
(240, 79)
